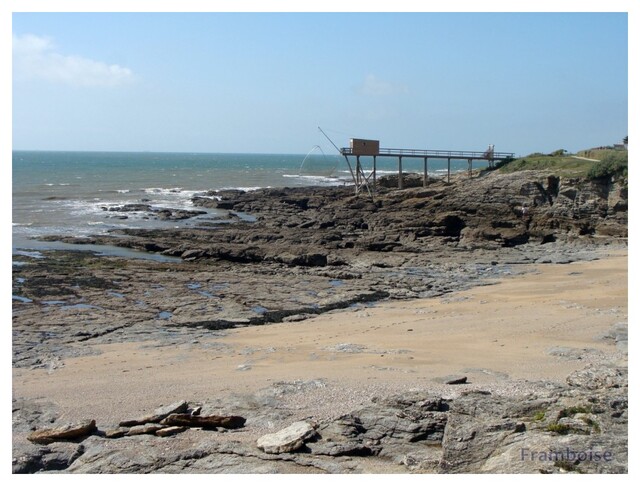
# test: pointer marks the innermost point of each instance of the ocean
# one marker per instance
(69, 193)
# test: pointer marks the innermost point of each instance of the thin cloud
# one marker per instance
(36, 57)
(373, 86)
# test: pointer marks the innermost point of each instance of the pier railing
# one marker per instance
(436, 154)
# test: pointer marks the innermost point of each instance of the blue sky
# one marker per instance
(263, 83)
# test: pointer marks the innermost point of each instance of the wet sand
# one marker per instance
(521, 329)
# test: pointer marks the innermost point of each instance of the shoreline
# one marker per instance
(391, 347)
(273, 321)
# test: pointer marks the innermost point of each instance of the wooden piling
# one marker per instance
(425, 179)
(374, 173)
(371, 148)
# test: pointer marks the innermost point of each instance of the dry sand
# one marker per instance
(497, 335)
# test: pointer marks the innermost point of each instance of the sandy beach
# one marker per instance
(538, 326)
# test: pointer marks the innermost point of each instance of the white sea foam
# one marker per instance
(32, 254)
(162, 190)
(384, 172)
(246, 189)
(316, 179)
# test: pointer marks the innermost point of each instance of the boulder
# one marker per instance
(288, 439)
(65, 432)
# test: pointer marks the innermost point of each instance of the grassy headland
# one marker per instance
(604, 163)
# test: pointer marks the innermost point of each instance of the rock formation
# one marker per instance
(579, 427)
(291, 253)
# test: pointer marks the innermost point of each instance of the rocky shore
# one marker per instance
(577, 427)
(284, 255)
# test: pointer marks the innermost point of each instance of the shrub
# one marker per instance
(503, 162)
(539, 415)
(559, 428)
(571, 411)
(613, 164)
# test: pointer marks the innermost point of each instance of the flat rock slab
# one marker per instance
(457, 380)
(167, 431)
(206, 422)
(289, 439)
(150, 429)
(65, 432)
(158, 414)
(116, 433)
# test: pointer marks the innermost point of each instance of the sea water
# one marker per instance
(70, 193)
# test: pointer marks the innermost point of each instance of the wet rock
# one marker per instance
(419, 242)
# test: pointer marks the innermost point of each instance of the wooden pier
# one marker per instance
(371, 148)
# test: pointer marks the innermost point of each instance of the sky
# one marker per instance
(264, 82)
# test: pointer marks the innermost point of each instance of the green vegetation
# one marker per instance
(558, 153)
(558, 162)
(539, 415)
(610, 163)
(592, 423)
(598, 153)
(571, 411)
(613, 164)
(559, 428)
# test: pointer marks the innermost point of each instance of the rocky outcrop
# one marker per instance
(329, 226)
(313, 250)
(151, 212)
(333, 249)
(578, 427)
(400, 428)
